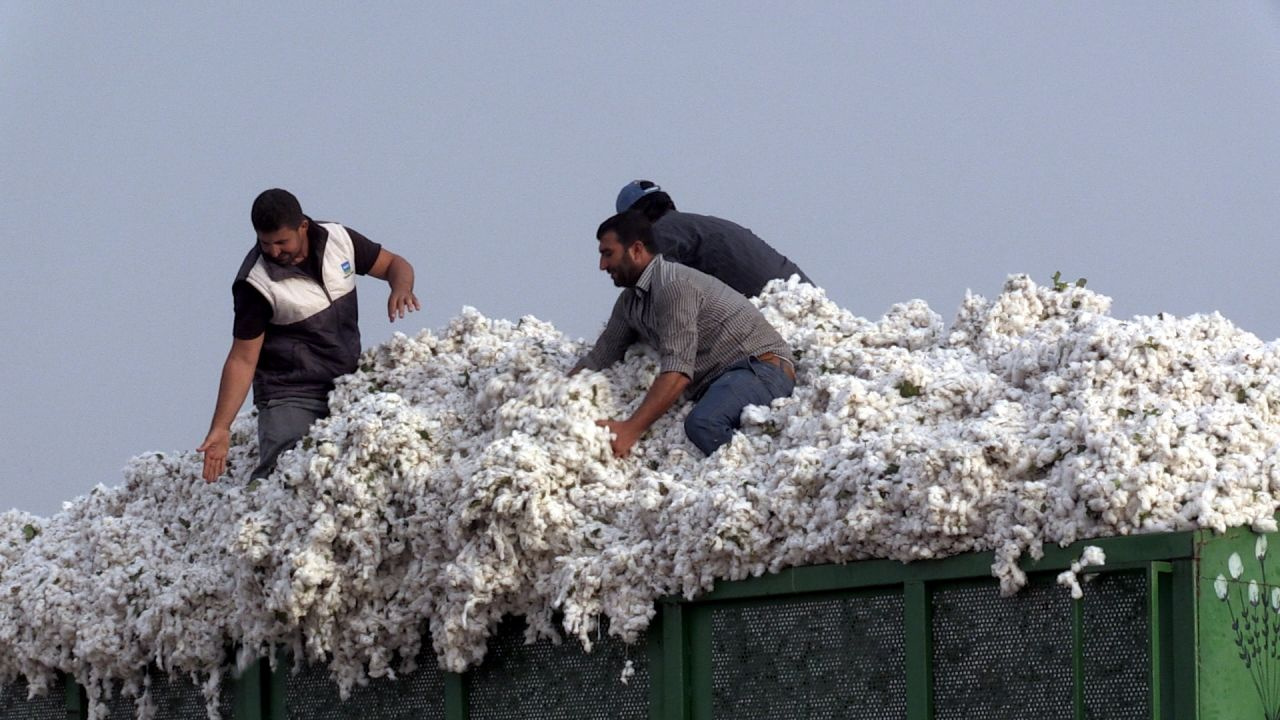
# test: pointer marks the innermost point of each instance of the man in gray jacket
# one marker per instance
(296, 325)
(714, 346)
(720, 248)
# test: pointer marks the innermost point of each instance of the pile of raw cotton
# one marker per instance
(462, 478)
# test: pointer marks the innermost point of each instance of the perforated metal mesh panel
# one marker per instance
(829, 658)
(544, 680)
(15, 706)
(175, 698)
(419, 695)
(998, 658)
(1117, 681)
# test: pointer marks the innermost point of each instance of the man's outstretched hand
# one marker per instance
(215, 448)
(625, 435)
(401, 303)
(664, 391)
(399, 275)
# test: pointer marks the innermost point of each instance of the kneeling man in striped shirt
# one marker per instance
(714, 345)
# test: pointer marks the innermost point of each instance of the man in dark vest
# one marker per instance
(722, 249)
(296, 325)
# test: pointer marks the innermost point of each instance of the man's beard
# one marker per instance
(626, 275)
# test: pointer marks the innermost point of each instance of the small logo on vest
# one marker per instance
(346, 268)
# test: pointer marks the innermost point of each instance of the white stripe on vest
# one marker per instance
(294, 299)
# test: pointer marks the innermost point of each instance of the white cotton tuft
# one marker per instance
(462, 478)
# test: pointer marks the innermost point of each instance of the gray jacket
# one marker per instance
(722, 249)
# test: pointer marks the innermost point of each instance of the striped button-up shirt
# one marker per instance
(699, 325)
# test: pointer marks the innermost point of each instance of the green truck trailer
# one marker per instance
(1175, 626)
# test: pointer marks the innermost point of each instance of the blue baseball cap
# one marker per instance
(631, 192)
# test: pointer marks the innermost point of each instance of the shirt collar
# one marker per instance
(316, 233)
(645, 282)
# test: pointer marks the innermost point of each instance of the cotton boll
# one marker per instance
(461, 477)
(1092, 556)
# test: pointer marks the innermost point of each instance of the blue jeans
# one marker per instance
(718, 413)
(281, 424)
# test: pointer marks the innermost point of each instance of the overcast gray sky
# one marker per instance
(893, 150)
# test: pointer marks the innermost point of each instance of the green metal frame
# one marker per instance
(1235, 636)
(1166, 559)
(1183, 620)
(917, 619)
(455, 697)
(672, 670)
(1077, 660)
(679, 644)
(77, 702)
(248, 692)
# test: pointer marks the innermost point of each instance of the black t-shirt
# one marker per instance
(253, 312)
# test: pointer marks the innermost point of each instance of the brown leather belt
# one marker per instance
(778, 362)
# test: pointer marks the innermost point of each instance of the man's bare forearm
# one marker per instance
(233, 388)
(400, 275)
(663, 393)
(237, 376)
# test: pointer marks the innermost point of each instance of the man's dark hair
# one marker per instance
(655, 204)
(275, 209)
(632, 227)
